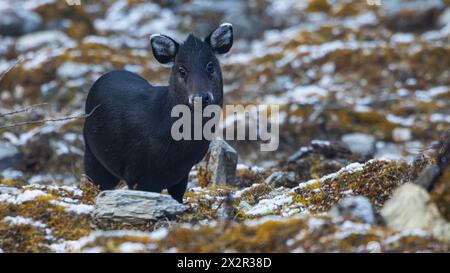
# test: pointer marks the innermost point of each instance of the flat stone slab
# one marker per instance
(135, 207)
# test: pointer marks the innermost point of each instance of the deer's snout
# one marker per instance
(205, 98)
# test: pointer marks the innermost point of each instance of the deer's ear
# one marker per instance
(221, 39)
(164, 49)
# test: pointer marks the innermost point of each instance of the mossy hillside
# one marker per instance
(202, 229)
(80, 21)
(97, 56)
(296, 234)
(61, 224)
(376, 181)
(320, 159)
(203, 203)
(21, 238)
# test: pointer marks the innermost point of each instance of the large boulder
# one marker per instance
(411, 208)
(135, 207)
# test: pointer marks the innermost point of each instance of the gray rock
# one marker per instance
(428, 176)
(135, 207)
(408, 15)
(303, 151)
(278, 179)
(444, 19)
(411, 208)
(356, 206)
(18, 21)
(9, 156)
(221, 162)
(208, 14)
(359, 143)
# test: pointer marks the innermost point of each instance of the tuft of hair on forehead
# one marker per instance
(194, 45)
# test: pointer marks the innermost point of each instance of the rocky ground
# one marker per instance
(362, 164)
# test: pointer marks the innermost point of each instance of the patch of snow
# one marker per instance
(145, 19)
(308, 94)
(76, 208)
(351, 168)
(439, 117)
(22, 139)
(428, 95)
(402, 38)
(39, 178)
(43, 38)
(407, 122)
(363, 19)
(239, 193)
(72, 70)
(129, 247)
(404, 233)
(267, 206)
(34, 4)
(320, 142)
(437, 34)
(373, 247)
(25, 196)
(159, 234)
(19, 220)
(77, 245)
(349, 228)
(11, 174)
(256, 169)
(267, 218)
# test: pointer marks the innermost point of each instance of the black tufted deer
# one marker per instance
(128, 131)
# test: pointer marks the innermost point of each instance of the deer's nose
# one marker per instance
(206, 98)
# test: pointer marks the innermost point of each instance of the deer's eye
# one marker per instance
(210, 68)
(182, 71)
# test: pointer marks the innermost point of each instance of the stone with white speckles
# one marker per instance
(222, 162)
(135, 207)
(355, 206)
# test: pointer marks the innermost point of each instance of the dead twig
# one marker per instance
(50, 120)
(3, 74)
(22, 110)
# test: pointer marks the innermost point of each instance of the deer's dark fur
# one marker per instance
(128, 135)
